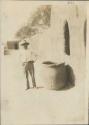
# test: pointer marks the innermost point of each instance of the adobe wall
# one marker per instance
(75, 16)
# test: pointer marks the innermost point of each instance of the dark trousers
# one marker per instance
(29, 69)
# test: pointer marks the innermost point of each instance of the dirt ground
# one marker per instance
(37, 106)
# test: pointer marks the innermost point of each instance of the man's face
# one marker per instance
(25, 46)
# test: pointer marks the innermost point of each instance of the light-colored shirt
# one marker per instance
(27, 55)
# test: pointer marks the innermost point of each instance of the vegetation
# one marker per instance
(39, 19)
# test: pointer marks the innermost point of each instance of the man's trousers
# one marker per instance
(29, 69)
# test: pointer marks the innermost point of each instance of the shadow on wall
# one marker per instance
(70, 77)
(58, 76)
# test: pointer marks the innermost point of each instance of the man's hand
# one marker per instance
(23, 64)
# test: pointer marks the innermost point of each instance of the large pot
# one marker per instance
(53, 75)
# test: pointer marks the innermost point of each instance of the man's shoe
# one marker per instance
(34, 87)
(27, 88)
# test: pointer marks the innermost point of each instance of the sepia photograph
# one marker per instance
(43, 62)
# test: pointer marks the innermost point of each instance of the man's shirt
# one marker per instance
(27, 55)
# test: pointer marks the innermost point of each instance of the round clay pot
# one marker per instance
(53, 76)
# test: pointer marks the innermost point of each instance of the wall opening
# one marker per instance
(67, 38)
(85, 32)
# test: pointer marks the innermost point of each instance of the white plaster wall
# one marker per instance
(49, 45)
(76, 28)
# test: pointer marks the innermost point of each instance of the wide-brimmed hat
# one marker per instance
(24, 42)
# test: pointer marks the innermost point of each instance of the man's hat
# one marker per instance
(24, 42)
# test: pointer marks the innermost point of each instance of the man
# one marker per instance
(28, 59)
